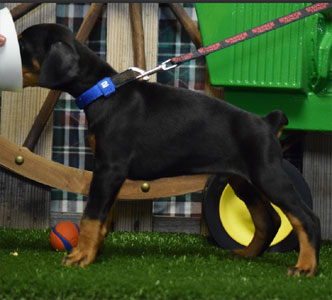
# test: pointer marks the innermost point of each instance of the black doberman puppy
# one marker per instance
(148, 130)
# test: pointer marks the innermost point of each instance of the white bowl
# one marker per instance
(11, 78)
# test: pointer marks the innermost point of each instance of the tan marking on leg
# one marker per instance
(92, 141)
(307, 262)
(257, 212)
(105, 228)
(107, 224)
(257, 242)
(259, 239)
(90, 239)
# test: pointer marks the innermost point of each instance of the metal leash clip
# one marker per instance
(145, 74)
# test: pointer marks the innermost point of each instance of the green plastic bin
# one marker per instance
(288, 68)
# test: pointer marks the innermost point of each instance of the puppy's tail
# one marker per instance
(277, 120)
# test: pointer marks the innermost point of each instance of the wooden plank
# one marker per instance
(78, 181)
(57, 217)
(164, 187)
(24, 204)
(43, 170)
(132, 216)
(317, 171)
(176, 224)
(127, 218)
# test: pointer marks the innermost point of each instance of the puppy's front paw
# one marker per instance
(91, 237)
(79, 257)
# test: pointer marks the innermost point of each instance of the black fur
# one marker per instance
(149, 130)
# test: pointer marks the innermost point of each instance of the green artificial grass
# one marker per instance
(152, 266)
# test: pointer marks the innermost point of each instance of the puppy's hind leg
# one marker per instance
(264, 217)
(277, 186)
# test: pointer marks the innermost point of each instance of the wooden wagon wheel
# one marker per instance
(24, 162)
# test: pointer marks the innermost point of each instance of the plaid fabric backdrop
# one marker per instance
(71, 146)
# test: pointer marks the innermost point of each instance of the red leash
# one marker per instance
(128, 75)
(246, 35)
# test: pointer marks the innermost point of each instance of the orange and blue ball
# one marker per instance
(64, 236)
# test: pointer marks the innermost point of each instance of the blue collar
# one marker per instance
(104, 87)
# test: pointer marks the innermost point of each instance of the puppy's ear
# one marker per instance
(59, 66)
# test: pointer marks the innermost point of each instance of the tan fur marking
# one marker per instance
(280, 131)
(31, 77)
(258, 240)
(36, 65)
(257, 243)
(90, 239)
(92, 141)
(307, 259)
(107, 224)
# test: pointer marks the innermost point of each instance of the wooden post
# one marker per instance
(22, 9)
(187, 23)
(89, 21)
(137, 33)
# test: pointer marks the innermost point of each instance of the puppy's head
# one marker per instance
(49, 56)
